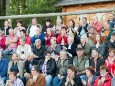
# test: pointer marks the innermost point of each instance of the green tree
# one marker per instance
(19, 7)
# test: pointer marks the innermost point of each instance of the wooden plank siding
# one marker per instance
(86, 7)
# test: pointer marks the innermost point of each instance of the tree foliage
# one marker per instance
(19, 7)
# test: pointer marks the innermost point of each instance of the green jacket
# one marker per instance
(80, 66)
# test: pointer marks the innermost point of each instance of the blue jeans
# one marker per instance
(57, 81)
(6, 52)
(48, 80)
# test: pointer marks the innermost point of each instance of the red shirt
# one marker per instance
(59, 39)
(2, 42)
(97, 28)
(47, 42)
(28, 40)
(107, 64)
(107, 81)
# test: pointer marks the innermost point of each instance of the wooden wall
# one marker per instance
(86, 7)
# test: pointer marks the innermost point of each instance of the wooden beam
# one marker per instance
(58, 14)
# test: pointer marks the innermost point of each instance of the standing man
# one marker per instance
(31, 31)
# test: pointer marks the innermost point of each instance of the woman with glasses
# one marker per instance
(36, 79)
(48, 67)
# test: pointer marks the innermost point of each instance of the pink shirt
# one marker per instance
(14, 44)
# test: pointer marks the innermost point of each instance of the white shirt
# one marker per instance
(26, 49)
(32, 30)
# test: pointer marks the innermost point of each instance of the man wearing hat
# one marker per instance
(80, 61)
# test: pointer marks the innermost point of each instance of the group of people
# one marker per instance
(59, 55)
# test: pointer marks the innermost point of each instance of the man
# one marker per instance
(6, 28)
(31, 31)
(80, 61)
(62, 64)
(38, 35)
(111, 20)
(13, 80)
(23, 49)
(11, 42)
(38, 49)
(3, 67)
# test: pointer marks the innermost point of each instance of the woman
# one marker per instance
(18, 28)
(15, 65)
(2, 41)
(85, 45)
(110, 60)
(73, 29)
(100, 46)
(53, 47)
(48, 36)
(36, 79)
(47, 67)
(104, 79)
(89, 78)
(71, 79)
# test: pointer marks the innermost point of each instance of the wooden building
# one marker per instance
(79, 5)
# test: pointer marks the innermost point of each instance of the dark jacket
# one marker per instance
(51, 66)
(111, 24)
(76, 79)
(111, 44)
(7, 30)
(85, 28)
(45, 28)
(34, 62)
(100, 62)
(73, 49)
(39, 52)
